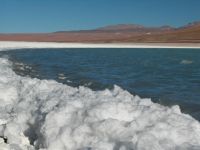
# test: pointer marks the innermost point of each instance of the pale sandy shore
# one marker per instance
(9, 45)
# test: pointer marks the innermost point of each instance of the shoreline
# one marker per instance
(9, 45)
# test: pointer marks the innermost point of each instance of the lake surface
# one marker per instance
(167, 76)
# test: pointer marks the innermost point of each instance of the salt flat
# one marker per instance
(9, 45)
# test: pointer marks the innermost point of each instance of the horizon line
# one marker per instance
(107, 25)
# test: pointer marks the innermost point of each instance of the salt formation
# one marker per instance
(12, 45)
(186, 62)
(46, 115)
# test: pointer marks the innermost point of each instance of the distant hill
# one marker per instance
(189, 33)
(121, 27)
(133, 27)
(191, 25)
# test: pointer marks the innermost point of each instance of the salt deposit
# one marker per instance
(47, 115)
(10, 45)
(186, 62)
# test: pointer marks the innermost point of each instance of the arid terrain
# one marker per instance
(123, 33)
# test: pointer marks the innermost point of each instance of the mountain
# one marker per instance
(128, 33)
(121, 27)
(192, 24)
(133, 27)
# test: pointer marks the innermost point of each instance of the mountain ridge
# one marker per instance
(124, 33)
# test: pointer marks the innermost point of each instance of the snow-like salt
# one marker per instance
(46, 115)
(11, 45)
(186, 62)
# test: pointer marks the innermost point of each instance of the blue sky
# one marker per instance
(55, 15)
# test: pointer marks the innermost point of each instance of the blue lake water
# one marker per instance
(168, 76)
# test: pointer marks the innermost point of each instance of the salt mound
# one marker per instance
(186, 62)
(46, 115)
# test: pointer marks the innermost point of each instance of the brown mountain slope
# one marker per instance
(187, 34)
(117, 33)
